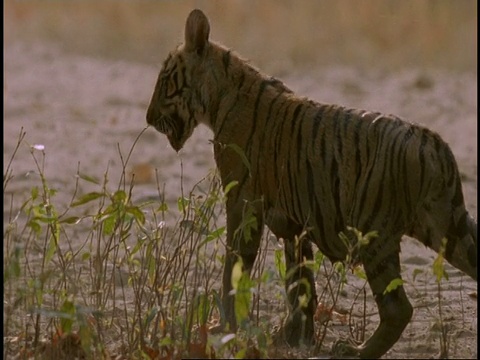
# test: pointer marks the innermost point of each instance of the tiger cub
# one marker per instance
(317, 168)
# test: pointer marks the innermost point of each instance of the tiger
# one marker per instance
(309, 171)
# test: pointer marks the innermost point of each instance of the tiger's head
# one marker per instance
(177, 105)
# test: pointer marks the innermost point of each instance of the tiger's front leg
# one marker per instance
(302, 297)
(244, 231)
(299, 283)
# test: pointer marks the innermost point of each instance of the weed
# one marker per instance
(105, 275)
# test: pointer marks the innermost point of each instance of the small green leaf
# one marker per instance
(70, 220)
(249, 223)
(119, 196)
(68, 312)
(416, 272)
(280, 263)
(182, 204)
(394, 284)
(202, 308)
(109, 224)
(46, 219)
(369, 236)
(229, 186)
(89, 178)
(344, 238)
(87, 198)
(163, 207)
(52, 247)
(439, 268)
(213, 235)
(166, 341)
(243, 296)
(35, 226)
(34, 193)
(438, 263)
(360, 273)
(136, 248)
(241, 153)
(339, 267)
(237, 273)
(319, 258)
(52, 192)
(137, 214)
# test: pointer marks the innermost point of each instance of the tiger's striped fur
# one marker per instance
(314, 167)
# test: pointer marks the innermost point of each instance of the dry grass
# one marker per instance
(300, 33)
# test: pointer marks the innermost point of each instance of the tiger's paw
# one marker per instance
(295, 335)
(344, 349)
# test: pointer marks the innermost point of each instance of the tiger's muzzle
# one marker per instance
(171, 126)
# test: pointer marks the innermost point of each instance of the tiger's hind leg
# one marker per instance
(461, 249)
(382, 265)
(436, 220)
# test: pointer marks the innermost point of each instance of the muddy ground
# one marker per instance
(84, 109)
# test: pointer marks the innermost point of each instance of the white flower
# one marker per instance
(39, 147)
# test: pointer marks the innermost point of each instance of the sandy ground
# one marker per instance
(83, 110)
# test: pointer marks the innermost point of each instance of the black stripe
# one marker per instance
(317, 216)
(358, 152)
(405, 170)
(261, 89)
(317, 120)
(287, 185)
(337, 138)
(335, 158)
(438, 150)
(292, 175)
(279, 141)
(248, 143)
(294, 127)
(226, 60)
(382, 136)
(421, 155)
(265, 132)
(235, 103)
(321, 140)
(337, 211)
(301, 150)
(396, 178)
(450, 163)
(458, 196)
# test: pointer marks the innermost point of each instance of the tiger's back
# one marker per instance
(371, 171)
(300, 165)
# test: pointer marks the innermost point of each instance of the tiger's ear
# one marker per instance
(197, 30)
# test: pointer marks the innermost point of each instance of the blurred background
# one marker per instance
(277, 35)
